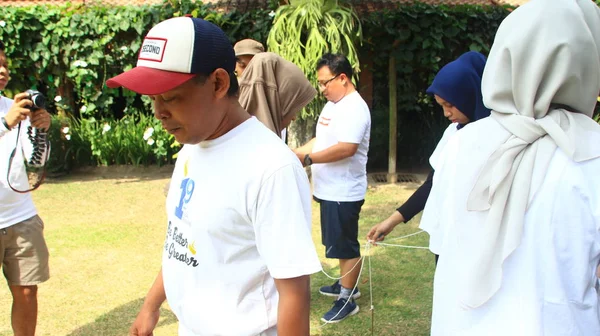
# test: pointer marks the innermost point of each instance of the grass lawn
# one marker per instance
(105, 230)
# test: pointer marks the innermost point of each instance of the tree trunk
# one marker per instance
(301, 132)
(393, 136)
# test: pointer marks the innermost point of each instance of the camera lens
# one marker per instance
(39, 100)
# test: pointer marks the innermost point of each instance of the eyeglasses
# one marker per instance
(324, 84)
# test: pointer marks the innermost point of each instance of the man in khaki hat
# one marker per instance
(244, 51)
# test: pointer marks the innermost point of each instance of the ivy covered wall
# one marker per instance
(68, 52)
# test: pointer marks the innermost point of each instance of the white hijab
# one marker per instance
(541, 81)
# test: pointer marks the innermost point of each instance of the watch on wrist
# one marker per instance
(307, 160)
(5, 123)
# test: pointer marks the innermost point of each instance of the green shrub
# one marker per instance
(135, 139)
(68, 51)
(69, 148)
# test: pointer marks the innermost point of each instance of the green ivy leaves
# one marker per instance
(70, 50)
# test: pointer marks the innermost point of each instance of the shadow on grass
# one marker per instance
(117, 321)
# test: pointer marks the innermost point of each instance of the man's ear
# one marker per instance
(222, 83)
(344, 79)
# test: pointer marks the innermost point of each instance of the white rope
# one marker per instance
(353, 289)
(403, 237)
(368, 252)
(405, 246)
(340, 278)
(367, 248)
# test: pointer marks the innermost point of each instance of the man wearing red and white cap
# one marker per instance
(238, 251)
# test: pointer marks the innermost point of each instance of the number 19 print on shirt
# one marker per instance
(177, 244)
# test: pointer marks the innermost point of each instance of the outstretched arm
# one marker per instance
(410, 208)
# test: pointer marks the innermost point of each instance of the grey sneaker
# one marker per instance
(334, 290)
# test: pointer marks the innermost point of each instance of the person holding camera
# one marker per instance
(23, 251)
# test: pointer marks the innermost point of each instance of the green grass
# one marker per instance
(105, 236)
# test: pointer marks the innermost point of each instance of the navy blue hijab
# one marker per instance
(459, 83)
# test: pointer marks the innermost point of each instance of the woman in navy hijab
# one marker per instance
(457, 89)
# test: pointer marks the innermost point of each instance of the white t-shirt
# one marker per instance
(14, 207)
(448, 133)
(239, 212)
(434, 161)
(549, 284)
(348, 120)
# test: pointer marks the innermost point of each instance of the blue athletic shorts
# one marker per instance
(339, 228)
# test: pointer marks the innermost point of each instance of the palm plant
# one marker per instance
(306, 29)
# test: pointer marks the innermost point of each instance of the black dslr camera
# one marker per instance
(37, 136)
(38, 99)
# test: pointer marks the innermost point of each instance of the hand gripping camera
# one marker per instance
(37, 136)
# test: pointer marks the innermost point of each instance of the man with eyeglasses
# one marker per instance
(338, 155)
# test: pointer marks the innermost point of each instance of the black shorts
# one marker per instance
(339, 228)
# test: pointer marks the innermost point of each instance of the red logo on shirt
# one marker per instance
(324, 121)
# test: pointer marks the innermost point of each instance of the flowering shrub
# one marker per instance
(136, 139)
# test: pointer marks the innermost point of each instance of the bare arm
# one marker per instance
(404, 213)
(147, 319)
(337, 152)
(379, 231)
(306, 149)
(293, 313)
(17, 112)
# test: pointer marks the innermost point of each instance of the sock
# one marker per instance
(345, 292)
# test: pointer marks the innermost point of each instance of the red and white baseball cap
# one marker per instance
(175, 51)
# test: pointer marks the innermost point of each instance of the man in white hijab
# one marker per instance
(518, 229)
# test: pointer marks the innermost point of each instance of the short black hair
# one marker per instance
(337, 64)
(234, 86)
(1, 45)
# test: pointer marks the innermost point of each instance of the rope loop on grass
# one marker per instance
(367, 254)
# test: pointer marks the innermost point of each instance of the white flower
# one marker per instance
(2, 23)
(150, 141)
(148, 133)
(83, 109)
(79, 63)
(68, 136)
(57, 99)
(106, 128)
(65, 130)
(272, 14)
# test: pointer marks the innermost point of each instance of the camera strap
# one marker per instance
(39, 142)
